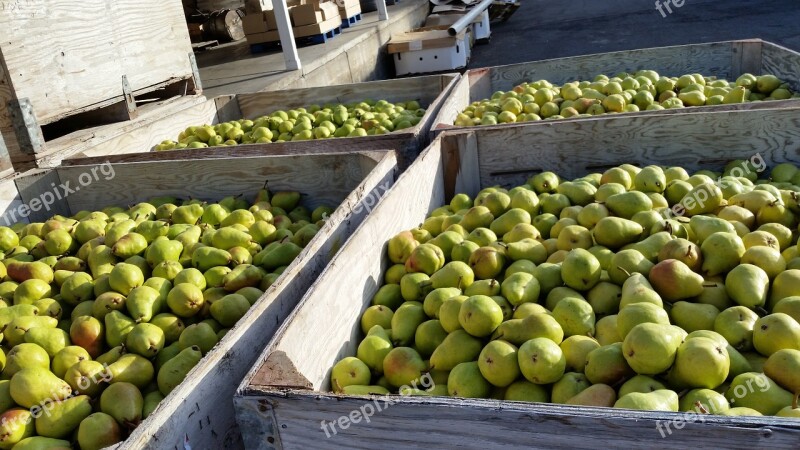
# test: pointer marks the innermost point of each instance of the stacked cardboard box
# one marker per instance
(430, 49)
(308, 18)
(348, 8)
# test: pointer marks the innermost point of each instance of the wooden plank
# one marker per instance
(201, 410)
(148, 43)
(425, 423)
(781, 62)
(746, 57)
(573, 149)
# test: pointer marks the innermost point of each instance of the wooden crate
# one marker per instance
(431, 91)
(285, 398)
(201, 409)
(67, 66)
(728, 59)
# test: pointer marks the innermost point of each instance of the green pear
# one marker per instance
(581, 270)
(448, 313)
(757, 391)
(151, 401)
(34, 386)
(694, 316)
(428, 337)
(25, 356)
(638, 313)
(674, 280)
(705, 226)
(701, 363)
(684, 251)
(98, 431)
(604, 298)
(199, 334)
(30, 291)
(520, 288)
(607, 365)
(541, 361)
(107, 302)
(447, 241)
(123, 402)
(66, 358)
(627, 204)
(42, 443)
(433, 301)
(704, 401)
(606, 330)
(575, 316)
(131, 368)
(87, 377)
(462, 251)
(660, 400)
(129, 245)
(63, 417)
(163, 249)
(650, 348)
(229, 309)
(405, 321)
(400, 247)
(640, 383)
(479, 315)
(736, 325)
(174, 371)
(487, 262)
(570, 385)
(636, 289)
(776, 332)
(747, 285)
(626, 262)
(117, 327)
(204, 258)
(403, 366)
(595, 395)
(721, 252)
(766, 258)
(124, 277)
(185, 300)
(790, 306)
(782, 367)
(458, 347)
(488, 287)
(702, 199)
(390, 295)
(455, 274)
(786, 284)
(372, 351)
(615, 232)
(576, 350)
(498, 363)
(52, 340)
(281, 254)
(466, 381)
(518, 331)
(145, 339)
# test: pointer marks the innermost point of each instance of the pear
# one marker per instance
(107, 302)
(466, 381)
(766, 258)
(199, 334)
(174, 371)
(16, 424)
(33, 386)
(572, 237)
(479, 315)
(426, 258)
(704, 401)
(66, 358)
(525, 391)
(447, 241)
(570, 385)
(736, 325)
(87, 377)
(541, 361)
(52, 340)
(88, 332)
(660, 400)
(636, 289)
(24, 356)
(701, 363)
(455, 274)
(747, 285)
(449, 311)
(604, 298)
(607, 365)
(783, 366)
(124, 277)
(694, 316)
(757, 391)
(521, 288)
(347, 372)
(403, 366)
(478, 216)
(674, 280)
(131, 368)
(526, 309)
(581, 270)
(638, 313)
(527, 249)
(204, 258)
(640, 383)
(117, 327)
(123, 402)
(391, 295)
(576, 349)
(63, 417)
(433, 302)
(575, 316)
(151, 401)
(721, 252)
(518, 331)
(405, 321)
(456, 348)
(145, 339)
(428, 336)
(462, 251)
(229, 309)
(606, 330)
(487, 262)
(650, 348)
(595, 395)
(77, 288)
(776, 332)
(786, 284)
(626, 262)
(506, 222)
(627, 204)
(790, 306)
(97, 431)
(615, 232)
(185, 300)
(498, 363)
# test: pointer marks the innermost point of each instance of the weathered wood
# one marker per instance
(276, 409)
(201, 409)
(728, 59)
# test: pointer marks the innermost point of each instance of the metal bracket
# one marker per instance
(127, 93)
(29, 134)
(198, 85)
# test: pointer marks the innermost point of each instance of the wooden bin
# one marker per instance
(66, 66)
(283, 401)
(200, 410)
(728, 59)
(431, 91)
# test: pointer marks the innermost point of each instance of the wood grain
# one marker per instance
(146, 40)
(727, 59)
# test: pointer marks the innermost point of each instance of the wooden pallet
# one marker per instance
(350, 21)
(302, 41)
(500, 11)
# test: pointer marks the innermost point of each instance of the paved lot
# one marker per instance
(543, 29)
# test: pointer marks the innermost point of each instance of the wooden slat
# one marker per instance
(146, 40)
(202, 408)
(781, 62)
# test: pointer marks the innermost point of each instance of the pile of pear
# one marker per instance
(581, 293)
(367, 118)
(104, 313)
(644, 90)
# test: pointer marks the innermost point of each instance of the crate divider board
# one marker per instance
(285, 397)
(201, 407)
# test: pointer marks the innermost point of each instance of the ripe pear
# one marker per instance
(347, 372)
(498, 363)
(650, 348)
(660, 400)
(97, 431)
(721, 252)
(674, 280)
(33, 386)
(604, 298)
(66, 358)
(405, 321)
(123, 402)
(576, 350)
(456, 348)
(736, 325)
(790, 306)
(626, 262)
(432, 303)
(776, 332)
(747, 285)
(63, 417)
(16, 424)
(487, 262)
(402, 366)
(786, 284)
(536, 325)
(426, 258)
(607, 365)
(428, 337)
(466, 381)
(52, 340)
(694, 316)
(455, 274)
(87, 377)
(615, 232)
(132, 368)
(783, 367)
(627, 204)
(700, 363)
(478, 216)
(638, 313)
(640, 383)
(185, 300)
(570, 385)
(541, 361)
(636, 289)
(117, 327)
(683, 250)
(145, 339)
(174, 371)
(479, 315)
(199, 334)
(757, 391)
(606, 330)
(124, 277)
(575, 316)
(521, 288)
(704, 401)
(581, 270)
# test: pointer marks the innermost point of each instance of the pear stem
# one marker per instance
(794, 400)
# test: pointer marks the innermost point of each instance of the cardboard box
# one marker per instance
(430, 50)
(305, 14)
(257, 6)
(270, 18)
(317, 28)
(329, 10)
(254, 23)
(422, 39)
(261, 38)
